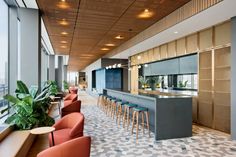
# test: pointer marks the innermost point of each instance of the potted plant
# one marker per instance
(29, 107)
(155, 82)
(143, 81)
(66, 86)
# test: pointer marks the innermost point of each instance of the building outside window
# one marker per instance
(4, 56)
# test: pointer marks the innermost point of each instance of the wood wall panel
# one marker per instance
(192, 43)
(223, 34)
(163, 50)
(180, 47)
(172, 49)
(156, 53)
(151, 55)
(205, 39)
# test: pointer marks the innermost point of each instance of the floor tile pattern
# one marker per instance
(111, 140)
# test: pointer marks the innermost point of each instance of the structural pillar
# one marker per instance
(52, 67)
(233, 78)
(60, 75)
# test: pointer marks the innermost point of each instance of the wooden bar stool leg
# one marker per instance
(119, 115)
(147, 120)
(143, 121)
(124, 116)
(128, 118)
(137, 117)
(132, 130)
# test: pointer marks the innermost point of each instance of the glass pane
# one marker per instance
(4, 55)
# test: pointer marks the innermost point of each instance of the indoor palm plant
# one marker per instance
(143, 81)
(29, 107)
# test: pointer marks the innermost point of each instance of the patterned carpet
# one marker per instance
(111, 140)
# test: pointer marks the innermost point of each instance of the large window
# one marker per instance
(3, 55)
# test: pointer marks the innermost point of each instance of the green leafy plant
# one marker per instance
(183, 85)
(143, 81)
(29, 107)
(52, 87)
(66, 85)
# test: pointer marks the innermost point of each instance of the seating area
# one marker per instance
(125, 112)
(68, 137)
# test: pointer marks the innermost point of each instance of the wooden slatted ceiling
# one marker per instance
(94, 23)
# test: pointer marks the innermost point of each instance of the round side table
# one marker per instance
(43, 130)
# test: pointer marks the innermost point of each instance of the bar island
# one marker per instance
(170, 115)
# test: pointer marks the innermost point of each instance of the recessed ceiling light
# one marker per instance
(63, 46)
(104, 49)
(63, 22)
(110, 44)
(64, 42)
(63, 5)
(64, 33)
(119, 37)
(145, 14)
(176, 32)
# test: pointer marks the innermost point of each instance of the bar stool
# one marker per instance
(114, 107)
(136, 112)
(99, 101)
(108, 105)
(119, 114)
(127, 110)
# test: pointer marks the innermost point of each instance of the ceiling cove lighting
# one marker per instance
(110, 45)
(119, 37)
(63, 22)
(145, 14)
(64, 33)
(105, 49)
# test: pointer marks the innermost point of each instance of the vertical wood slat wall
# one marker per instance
(213, 107)
(191, 8)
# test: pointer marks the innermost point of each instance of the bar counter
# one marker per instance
(170, 115)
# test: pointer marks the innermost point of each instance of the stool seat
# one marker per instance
(131, 105)
(139, 109)
(122, 102)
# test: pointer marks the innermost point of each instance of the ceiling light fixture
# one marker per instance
(145, 14)
(64, 33)
(110, 44)
(119, 65)
(176, 32)
(104, 49)
(63, 22)
(64, 42)
(63, 5)
(139, 57)
(119, 37)
(145, 65)
(63, 46)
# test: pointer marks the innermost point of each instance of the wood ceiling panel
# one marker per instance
(93, 23)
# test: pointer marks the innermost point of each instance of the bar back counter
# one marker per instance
(170, 116)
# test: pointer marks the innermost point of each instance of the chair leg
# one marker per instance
(132, 130)
(137, 117)
(128, 118)
(147, 120)
(143, 121)
(124, 116)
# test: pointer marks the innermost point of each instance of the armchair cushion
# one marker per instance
(67, 128)
(70, 108)
(78, 147)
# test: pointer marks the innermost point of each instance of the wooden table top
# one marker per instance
(42, 130)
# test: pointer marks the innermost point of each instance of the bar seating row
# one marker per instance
(123, 110)
(69, 139)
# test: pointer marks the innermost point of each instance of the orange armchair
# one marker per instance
(73, 107)
(79, 147)
(69, 127)
(70, 98)
(73, 90)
